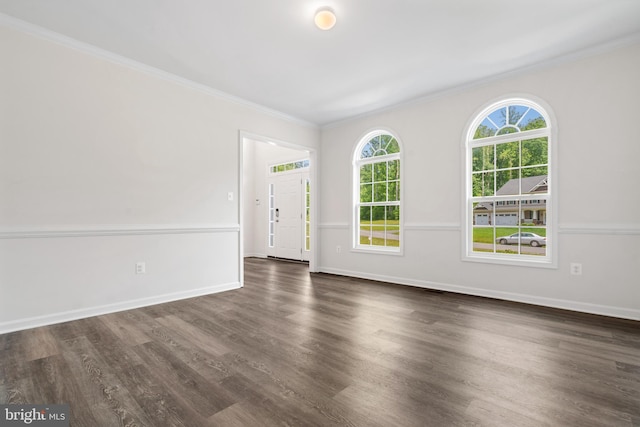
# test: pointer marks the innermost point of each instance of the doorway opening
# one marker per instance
(277, 212)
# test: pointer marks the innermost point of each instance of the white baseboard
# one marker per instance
(255, 255)
(50, 319)
(605, 310)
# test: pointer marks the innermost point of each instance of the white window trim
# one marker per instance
(355, 167)
(551, 258)
(295, 170)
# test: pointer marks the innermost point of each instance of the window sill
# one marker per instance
(378, 251)
(519, 261)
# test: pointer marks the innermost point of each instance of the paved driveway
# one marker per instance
(379, 235)
(525, 249)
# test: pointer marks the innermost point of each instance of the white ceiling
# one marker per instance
(380, 53)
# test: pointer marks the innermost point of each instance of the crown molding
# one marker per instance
(577, 55)
(89, 49)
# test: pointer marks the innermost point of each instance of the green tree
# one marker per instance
(537, 123)
(535, 152)
(483, 131)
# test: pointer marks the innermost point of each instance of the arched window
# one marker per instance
(509, 184)
(377, 201)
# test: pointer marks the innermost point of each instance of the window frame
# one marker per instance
(288, 167)
(549, 199)
(357, 162)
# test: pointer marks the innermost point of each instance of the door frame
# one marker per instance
(313, 175)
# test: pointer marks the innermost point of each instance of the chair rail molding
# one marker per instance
(113, 230)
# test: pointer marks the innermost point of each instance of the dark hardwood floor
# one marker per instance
(292, 348)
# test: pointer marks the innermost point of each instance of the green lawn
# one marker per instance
(379, 224)
(379, 242)
(485, 235)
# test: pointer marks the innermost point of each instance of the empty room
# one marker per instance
(308, 213)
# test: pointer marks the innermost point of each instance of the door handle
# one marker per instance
(277, 215)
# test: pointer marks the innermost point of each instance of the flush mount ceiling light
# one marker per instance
(325, 18)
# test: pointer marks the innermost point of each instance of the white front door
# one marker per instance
(287, 221)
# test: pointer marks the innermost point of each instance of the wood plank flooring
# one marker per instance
(294, 349)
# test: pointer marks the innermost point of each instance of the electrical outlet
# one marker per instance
(141, 268)
(338, 249)
(576, 269)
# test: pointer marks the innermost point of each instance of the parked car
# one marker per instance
(524, 238)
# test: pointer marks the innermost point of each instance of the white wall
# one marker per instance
(103, 165)
(259, 155)
(595, 101)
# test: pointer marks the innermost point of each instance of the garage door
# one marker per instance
(482, 219)
(507, 219)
